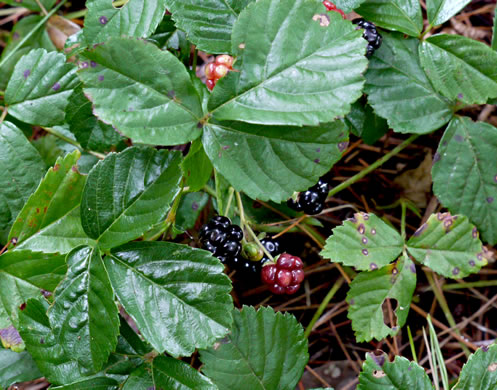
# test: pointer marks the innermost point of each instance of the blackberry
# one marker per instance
(285, 276)
(272, 245)
(221, 238)
(311, 201)
(371, 35)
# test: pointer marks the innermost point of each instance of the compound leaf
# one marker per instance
(84, 316)
(127, 193)
(449, 245)
(378, 373)
(277, 84)
(264, 351)
(399, 90)
(144, 92)
(364, 242)
(464, 178)
(369, 290)
(181, 288)
(460, 68)
(480, 371)
(271, 162)
(39, 87)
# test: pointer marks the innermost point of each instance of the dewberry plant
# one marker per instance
(132, 151)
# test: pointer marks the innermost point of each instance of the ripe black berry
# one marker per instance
(272, 245)
(235, 232)
(221, 238)
(370, 34)
(311, 201)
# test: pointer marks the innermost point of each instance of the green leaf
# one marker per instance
(127, 193)
(196, 167)
(399, 91)
(157, 103)
(32, 5)
(97, 383)
(449, 245)
(39, 39)
(439, 11)
(49, 221)
(271, 162)
(44, 347)
(181, 288)
(264, 351)
(494, 33)
(348, 5)
(404, 15)
(209, 23)
(40, 85)
(22, 169)
(141, 378)
(189, 209)
(41, 270)
(369, 290)
(48, 147)
(16, 367)
(364, 123)
(364, 242)
(136, 18)
(460, 68)
(464, 178)
(91, 133)
(84, 316)
(480, 371)
(378, 373)
(275, 83)
(173, 374)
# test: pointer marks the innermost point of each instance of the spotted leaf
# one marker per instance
(480, 372)
(364, 242)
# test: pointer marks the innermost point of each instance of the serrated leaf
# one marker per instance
(271, 162)
(44, 347)
(464, 178)
(209, 23)
(264, 351)
(190, 207)
(399, 91)
(348, 5)
(32, 5)
(16, 367)
(39, 39)
(136, 18)
(41, 270)
(364, 123)
(84, 316)
(364, 242)
(449, 245)
(196, 167)
(460, 68)
(128, 193)
(173, 374)
(98, 383)
(277, 84)
(398, 15)
(22, 169)
(91, 133)
(141, 378)
(439, 11)
(181, 288)
(39, 87)
(48, 147)
(157, 102)
(480, 371)
(49, 221)
(378, 373)
(369, 290)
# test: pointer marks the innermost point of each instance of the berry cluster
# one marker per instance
(217, 69)
(332, 7)
(272, 245)
(312, 200)
(370, 34)
(285, 276)
(222, 238)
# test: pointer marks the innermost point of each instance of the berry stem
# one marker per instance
(230, 199)
(354, 179)
(323, 305)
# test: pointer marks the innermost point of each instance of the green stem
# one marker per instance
(72, 142)
(230, 199)
(31, 33)
(323, 306)
(403, 220)
(354, 179)
(194, 62)
(428, 29)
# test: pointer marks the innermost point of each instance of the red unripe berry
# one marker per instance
(277, 289)
(268, 273)
(210, 84)
(283, 277)
(329, 5)
(340, 12)
(289, 262)
(297, 276)
(225, 60)
(292, 289)
(209, 71)
(221, 71)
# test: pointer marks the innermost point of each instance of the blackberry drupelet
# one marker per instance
(371, 35)
(311, 201)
